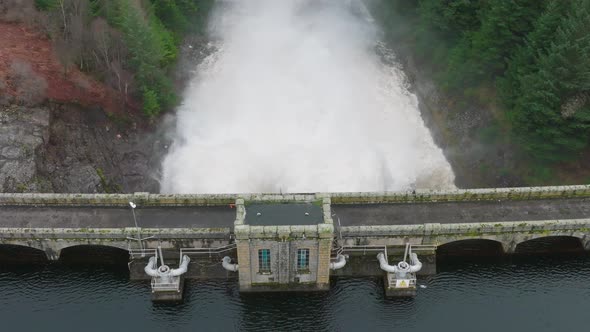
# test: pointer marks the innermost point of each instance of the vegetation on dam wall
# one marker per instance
(525, 62)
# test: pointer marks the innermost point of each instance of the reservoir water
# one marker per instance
(517, 294)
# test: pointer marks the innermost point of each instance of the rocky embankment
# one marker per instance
(64, 148)
(55, 135)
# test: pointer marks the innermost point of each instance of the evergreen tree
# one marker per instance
(482, 54)
(504, 27)
(552, 113)
(524, 60)
(152, 48)
(452, 17)
(535, 52)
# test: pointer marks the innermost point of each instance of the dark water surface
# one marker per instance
(532, 294)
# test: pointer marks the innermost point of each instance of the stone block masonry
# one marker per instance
(283, 243)
(509, 216)
(509, 234)
(53, 240)
(417, 196)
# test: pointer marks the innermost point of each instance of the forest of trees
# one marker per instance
(532, 57)
(130, 45)
(533, 54)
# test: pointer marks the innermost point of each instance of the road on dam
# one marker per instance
(461, 212)
(110, 217)
(349, 215)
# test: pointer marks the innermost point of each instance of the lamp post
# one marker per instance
(133, 206)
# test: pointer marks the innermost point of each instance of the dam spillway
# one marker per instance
(299, 96)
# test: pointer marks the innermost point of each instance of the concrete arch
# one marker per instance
(107, 244)
(35, 244)
(551, 243)
(17, 253)
(452, 239)
(579, 236)
(472, 247)
(95, 253)
(80, 253)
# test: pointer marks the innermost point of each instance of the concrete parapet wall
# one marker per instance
(510, 234)
(467, 228)
(113, 233)
(461, 195)
(247, 232)
(142, 199)
(147, 199)
(277, 198)
(53, 240)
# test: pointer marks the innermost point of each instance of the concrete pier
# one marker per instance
(401, 288)
(169, 295)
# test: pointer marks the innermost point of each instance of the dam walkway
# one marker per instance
(292, 241)
(52, 222)
(100, 211)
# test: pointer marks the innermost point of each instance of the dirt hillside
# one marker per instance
(21, 47)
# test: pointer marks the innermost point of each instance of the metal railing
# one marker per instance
(377, 248)
(423, 247)
(207, 251)
(158, 286)
(141, 253)
(364, 248)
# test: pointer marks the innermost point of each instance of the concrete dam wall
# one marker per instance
(292, 241)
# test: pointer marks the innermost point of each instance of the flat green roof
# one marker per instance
(280, 214)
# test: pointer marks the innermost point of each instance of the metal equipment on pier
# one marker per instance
(167, 283)
(401, 278)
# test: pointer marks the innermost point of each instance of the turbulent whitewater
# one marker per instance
(299, 96)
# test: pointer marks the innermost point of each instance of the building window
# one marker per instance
(264, 260)
(303, 259)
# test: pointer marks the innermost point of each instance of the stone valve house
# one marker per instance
(284, 245)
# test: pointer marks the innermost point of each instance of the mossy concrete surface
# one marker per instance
(509, 234)
(53, 240)
(148, 199)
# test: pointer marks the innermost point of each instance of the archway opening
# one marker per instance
(16, 254)
(550, 245)
(467, 254)
(94, 254)
(470, 248)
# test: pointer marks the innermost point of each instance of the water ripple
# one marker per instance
(544, 294)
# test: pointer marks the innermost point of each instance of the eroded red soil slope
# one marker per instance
(20, 43)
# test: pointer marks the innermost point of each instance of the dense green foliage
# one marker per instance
(152, 49)
(546, 87)
(536, 53)
(46, 4)
(151, 33)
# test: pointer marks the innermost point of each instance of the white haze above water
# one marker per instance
(296, 99)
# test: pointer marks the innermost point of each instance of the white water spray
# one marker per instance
(297, 100)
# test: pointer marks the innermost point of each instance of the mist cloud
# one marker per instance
(296, 100)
